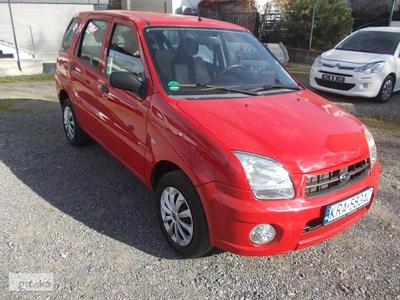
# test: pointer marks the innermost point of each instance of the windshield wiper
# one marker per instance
(276, 87)
(215, 87)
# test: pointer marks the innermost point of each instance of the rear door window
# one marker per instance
(69, 34)
(123, 53)
(92, 41)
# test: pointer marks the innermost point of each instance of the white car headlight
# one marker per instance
(370, 68)
(318, 62)
(373, 153)
(268, 178)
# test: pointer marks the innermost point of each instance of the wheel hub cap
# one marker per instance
(69, 123)
(387, 89)
(177, 217)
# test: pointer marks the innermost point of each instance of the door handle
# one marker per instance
(104, 89)
(76, 68)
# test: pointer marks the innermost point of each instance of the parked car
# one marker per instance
(364, 64)
(239, 155)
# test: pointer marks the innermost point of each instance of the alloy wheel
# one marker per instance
(387, 89)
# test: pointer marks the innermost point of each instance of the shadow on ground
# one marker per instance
(85, 183)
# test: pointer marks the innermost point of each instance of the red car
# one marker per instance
(240, 155)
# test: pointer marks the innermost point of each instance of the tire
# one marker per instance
(386, 89)
(74, 133)
(187, 216)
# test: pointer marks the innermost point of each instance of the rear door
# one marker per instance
(84, 71)
(124, 112)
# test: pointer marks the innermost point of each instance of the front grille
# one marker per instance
(340, 67)
(335, 85)
(329, 182)
(334, 73)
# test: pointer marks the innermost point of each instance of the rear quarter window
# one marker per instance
(70, 33)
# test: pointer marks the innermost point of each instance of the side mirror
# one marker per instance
(127, 81)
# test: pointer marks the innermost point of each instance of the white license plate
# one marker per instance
(333, 78)
(343, 208)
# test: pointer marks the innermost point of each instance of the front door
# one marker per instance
(124, 112)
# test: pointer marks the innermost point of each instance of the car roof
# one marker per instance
(146, 18)
(382, 29)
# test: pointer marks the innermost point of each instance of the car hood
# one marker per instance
(353, 56)
(301, 130)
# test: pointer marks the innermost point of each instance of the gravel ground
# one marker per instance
(79, 214)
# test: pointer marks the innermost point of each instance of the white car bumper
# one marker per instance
(355, 83)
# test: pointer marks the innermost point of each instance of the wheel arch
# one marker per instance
(62, 96)
(394, 78)
(160, 169)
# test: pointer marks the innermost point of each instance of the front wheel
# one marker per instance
(74, 133)
(386, 90)
(181, 215)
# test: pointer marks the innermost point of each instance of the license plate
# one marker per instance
(333, 78)
(340, 209)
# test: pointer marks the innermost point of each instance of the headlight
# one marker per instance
(374, 67)
(372, 146)
(268, 178)
(318, 62)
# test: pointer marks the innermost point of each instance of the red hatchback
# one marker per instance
(240, 156)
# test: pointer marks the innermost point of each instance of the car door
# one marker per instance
(124, 112)
(84, 70)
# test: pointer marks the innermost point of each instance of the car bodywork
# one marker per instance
(156, 133)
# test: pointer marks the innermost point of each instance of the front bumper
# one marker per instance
(362, 85)
(232, 213)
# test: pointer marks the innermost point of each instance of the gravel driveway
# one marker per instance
(79, 214)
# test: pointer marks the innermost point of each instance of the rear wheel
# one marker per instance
(74, 133)
(181, 215)
(386, 89)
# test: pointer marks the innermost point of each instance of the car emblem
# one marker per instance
(345, 177)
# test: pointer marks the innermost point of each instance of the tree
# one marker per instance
(333, 21)
(372, 12)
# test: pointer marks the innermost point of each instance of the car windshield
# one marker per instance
(193, 61)
(372, 42)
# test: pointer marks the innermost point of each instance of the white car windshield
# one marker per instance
(214, 61)
(379, 42)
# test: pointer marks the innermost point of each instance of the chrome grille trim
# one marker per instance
(329, 182)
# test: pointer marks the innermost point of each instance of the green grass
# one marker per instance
(299, 69)
(7, 105)
(26, 78)
(380, 123)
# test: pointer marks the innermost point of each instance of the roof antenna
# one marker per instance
(196, 10)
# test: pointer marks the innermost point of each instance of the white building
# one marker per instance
(40, 25)
(168, 6)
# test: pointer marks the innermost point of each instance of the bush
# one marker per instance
(333, 21)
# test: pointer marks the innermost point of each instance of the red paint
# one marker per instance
(303, 131)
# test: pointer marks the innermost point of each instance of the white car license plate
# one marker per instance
(343, 208)
(333, 78)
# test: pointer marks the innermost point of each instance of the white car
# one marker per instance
(364, 64)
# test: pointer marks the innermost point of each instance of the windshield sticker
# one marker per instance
(173, 86)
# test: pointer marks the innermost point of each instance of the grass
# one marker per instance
(299, 69)
(26, 78)
(7, 105)
(378, 122)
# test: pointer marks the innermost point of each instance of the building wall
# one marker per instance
(148, 5)
(158, 5)
(47, 21)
